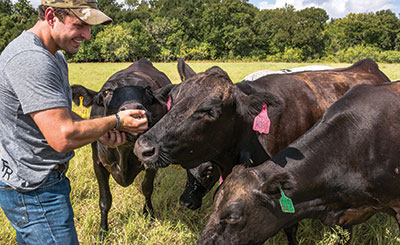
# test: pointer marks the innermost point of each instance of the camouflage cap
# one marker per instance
(85, 10)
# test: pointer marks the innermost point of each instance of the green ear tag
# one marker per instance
(286, 203)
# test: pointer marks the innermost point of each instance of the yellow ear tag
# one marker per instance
(81, 110)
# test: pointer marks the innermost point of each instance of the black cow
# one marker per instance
(342, 171)
(211, 119)
(131, 88)
(203, 177)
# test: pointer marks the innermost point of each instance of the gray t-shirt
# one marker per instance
(31, 79)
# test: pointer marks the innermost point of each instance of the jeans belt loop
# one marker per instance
(61, 167)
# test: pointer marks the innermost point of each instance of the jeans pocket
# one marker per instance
(13, 205)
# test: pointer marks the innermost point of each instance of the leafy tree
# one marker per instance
(285, 30)
(6, 8)
(111, 8)
(274, 29)
(378, 29)
(227, 27)
(308, 31)
(23, 12)
(135, 10)
(14, 18)
(126, 42)
(114, 42)
(389, 26)
(221, 29)
(168, 35)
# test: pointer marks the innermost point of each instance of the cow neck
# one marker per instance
(225, 161)
(294, 188)
(313, 168)
(247, 151)
(251, 151)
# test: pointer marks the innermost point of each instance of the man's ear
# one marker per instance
(50, 16)
(249, 106)
(89, 96)
(184, 70)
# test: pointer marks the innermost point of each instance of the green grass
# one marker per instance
(93, 75)
(175, 224)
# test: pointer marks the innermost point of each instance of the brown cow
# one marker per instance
(342, 171)
(211, 119)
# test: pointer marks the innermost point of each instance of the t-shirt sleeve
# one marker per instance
(37, 81)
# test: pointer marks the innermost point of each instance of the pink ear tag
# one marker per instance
(169, 103)
(220, 179)
(261, 121)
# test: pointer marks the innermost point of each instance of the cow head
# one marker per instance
(246, 207)
(207, 114)
(115, 97)
(200, 180)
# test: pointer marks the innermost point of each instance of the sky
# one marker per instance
(334, 8)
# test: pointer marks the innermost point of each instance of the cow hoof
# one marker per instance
(149, 211)
(102, 235)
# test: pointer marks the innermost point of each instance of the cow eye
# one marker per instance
(209, 173)
(206, 177)
(106, 97)
(233, 219)
(211, 113)
(107, 93)
(233, 214)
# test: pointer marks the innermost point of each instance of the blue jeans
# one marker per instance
(43, 216)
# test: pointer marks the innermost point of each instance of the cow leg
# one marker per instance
(105, 200)
(291, 234)
(147, 189)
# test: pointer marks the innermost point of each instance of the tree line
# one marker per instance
(163, 30)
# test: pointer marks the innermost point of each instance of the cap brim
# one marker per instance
(91, 16)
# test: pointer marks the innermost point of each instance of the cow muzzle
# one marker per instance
(190, 198)
(148, 153)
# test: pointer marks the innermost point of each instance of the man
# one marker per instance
(38, 130)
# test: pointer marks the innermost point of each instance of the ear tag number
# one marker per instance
(169, 103)
(261, 121)
(81, 110)
(286, 203)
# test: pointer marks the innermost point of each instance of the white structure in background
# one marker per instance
(256, 75)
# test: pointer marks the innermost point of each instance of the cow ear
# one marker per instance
(271, 186)
(249, 106)
(87, 94)
(148, 91)
(161, 94)
(219, 71)
(184, 70)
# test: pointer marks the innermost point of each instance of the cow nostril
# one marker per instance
(139, 107)
(149, 152)
(184, 203)
(122, 108)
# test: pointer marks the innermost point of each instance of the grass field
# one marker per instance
(175, 224)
